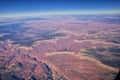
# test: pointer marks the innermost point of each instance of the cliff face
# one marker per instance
(21, 63)
(19, 66)
(26, 71)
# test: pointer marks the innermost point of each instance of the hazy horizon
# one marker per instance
(24, 8)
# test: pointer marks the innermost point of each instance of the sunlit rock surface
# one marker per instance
(60, 48)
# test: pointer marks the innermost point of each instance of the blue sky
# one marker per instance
(14, 7)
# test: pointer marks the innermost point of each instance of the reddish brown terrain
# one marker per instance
(60, 48)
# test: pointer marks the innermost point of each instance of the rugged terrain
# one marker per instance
(60, 48)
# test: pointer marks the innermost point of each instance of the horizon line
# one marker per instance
(52, 13)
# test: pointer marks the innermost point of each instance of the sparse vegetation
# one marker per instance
(71, 47)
